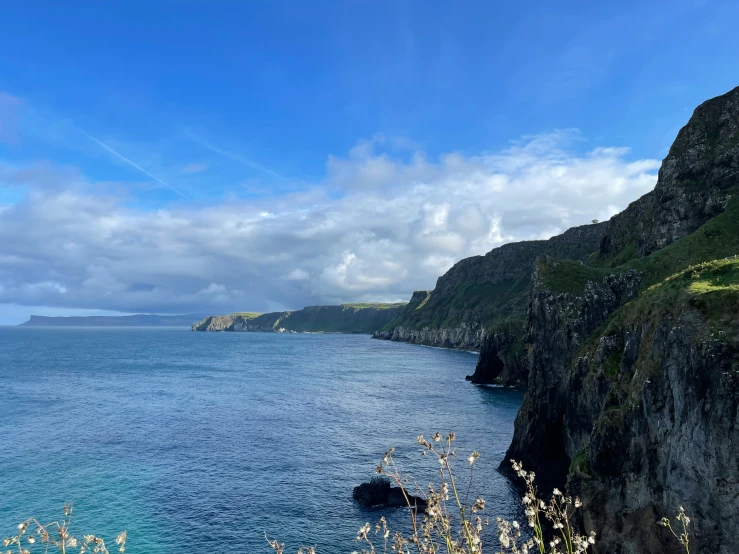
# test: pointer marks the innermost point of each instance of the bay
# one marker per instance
(207, 441)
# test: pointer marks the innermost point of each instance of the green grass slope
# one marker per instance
(718, 238)
(710, 288)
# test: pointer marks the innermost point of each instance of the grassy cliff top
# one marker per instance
(710, 287)
(718, 238)
(375, 305)
(247, 315)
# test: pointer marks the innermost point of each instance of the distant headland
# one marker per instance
(137, 320)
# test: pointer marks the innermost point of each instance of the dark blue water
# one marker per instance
(205, 441)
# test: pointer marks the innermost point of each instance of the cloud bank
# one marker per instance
(387, 219)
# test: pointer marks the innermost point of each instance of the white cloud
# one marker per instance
(385, 222)
(297, 275)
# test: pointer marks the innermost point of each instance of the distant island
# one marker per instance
(138, 320)
(343, 318)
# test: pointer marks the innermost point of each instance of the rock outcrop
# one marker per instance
(656, 429)
(379, 492)
(502, 358)
(651, 415)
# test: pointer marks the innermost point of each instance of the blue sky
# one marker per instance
(201, 156)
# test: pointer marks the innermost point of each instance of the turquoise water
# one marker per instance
(205, 441)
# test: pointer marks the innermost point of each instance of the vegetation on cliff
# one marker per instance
(717, 238)
(483, 293)
(344, 318)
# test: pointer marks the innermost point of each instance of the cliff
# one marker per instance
(696, 181)
(484, 295)
(633, 358)
(344, 318)
(139, 320)
(627, 382)
(650, 419)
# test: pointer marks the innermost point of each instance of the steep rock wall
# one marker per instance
(651, 418)
(696, 181)
(557, 326)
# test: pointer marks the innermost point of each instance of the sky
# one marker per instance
(219, 156)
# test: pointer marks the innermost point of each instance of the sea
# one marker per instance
(195, 442)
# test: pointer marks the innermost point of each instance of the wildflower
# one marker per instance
(479, 505)
(436, 437)
(363, 532)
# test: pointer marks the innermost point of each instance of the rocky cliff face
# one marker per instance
(484, 294)
(241, 323)
(515, 260)
(639, 415)
(633, 389)
(502, 358)
(463, 336)
(651, 416)
(557, 326)
(696, 181)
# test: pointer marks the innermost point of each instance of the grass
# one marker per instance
(568, 276)
(580, 463)
(717, 238)
(710, 288)
(247, 315)
(423, 302)
(375, 305)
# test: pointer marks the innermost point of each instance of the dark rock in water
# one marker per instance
(378, 492)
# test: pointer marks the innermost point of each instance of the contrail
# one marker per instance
(129, 162)
(234, 157)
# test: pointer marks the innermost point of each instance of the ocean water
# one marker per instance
(198, 442)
